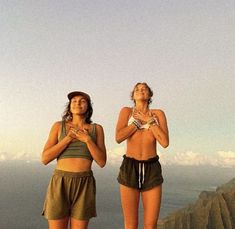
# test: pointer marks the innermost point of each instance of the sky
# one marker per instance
(183, 49)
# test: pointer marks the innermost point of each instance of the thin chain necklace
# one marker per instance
(142, 111)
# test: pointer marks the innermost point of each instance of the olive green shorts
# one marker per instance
(142, 175)
(70, 194)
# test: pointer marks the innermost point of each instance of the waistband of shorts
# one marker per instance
(73, 174)
(152, 159)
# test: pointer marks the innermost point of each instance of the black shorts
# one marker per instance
(142, 175)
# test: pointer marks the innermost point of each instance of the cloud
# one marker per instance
(114, 157)
(226, 158)
(3, 156)
(188, 158)
(25, 156)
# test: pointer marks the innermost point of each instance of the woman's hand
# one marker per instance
(143, 118)
(81, 135)
(71, 134)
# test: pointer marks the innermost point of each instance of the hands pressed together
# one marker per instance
(78, 134)
(143, 118)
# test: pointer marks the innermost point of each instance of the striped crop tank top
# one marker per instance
(76, 149)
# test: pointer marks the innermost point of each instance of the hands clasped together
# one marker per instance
(143, 117)
(78, 134)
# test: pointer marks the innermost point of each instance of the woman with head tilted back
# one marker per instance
(140, 173)
(75, 142)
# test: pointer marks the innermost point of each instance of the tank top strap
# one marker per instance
(93, 132)
(63, 128)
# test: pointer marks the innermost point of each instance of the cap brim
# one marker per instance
(78, 93)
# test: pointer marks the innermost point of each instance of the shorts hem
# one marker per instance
(54, 218)
(83, 218)
(126, 184)
(153, 186)
(157, 183)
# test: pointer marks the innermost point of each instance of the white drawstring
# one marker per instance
(141, 172)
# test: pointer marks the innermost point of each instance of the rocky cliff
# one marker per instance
(212, 210)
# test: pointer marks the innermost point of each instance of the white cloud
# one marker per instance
(226, 158)
(114, 157)
(189, 158)
(220, 159)
(5, 156)
(2, 156)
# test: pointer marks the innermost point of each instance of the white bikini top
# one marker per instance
(132, 119)
(143, 126)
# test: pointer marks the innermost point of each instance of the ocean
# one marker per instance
(23, 186)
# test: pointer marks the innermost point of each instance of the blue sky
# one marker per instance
(183, 49)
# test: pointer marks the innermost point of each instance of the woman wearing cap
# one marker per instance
(140, 174)
(75, 142)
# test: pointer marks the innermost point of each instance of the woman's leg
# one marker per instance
(151, 203)
(130, 205)
(58, 224)
(78, 224)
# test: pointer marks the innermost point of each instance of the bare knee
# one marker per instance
(150, 224)
(58, 224)
(131, 224)
(78, 224)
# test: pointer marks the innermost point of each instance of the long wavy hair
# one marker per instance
(149, 89)
(67, 115)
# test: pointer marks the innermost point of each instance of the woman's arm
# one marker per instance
(53, 148)
(123, 131)
(160, 129)
(98, 149)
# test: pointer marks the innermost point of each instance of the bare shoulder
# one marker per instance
(98, 126)
(56, 125)
(126, 110)
(55, 129)
(158, 112)
(99, 130)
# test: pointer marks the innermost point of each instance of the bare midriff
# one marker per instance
(74, 164)
(141, 145)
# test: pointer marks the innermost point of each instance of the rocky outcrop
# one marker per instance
(212, 210)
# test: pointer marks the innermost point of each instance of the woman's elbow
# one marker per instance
(44, 160)
(118, 139)
(165, 144)
(102, 163)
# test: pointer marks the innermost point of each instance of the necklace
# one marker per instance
(142, 112)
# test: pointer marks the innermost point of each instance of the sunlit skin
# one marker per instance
(141, 145)
(77, 129)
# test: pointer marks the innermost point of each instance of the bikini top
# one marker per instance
(77, 149)
(143, 126)
(132, 119)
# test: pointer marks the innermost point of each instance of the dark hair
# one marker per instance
(67, 115)
(149, 89)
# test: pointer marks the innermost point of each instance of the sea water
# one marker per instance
(23, 186)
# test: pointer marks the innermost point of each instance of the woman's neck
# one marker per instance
(142, 106)
(78, 121)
